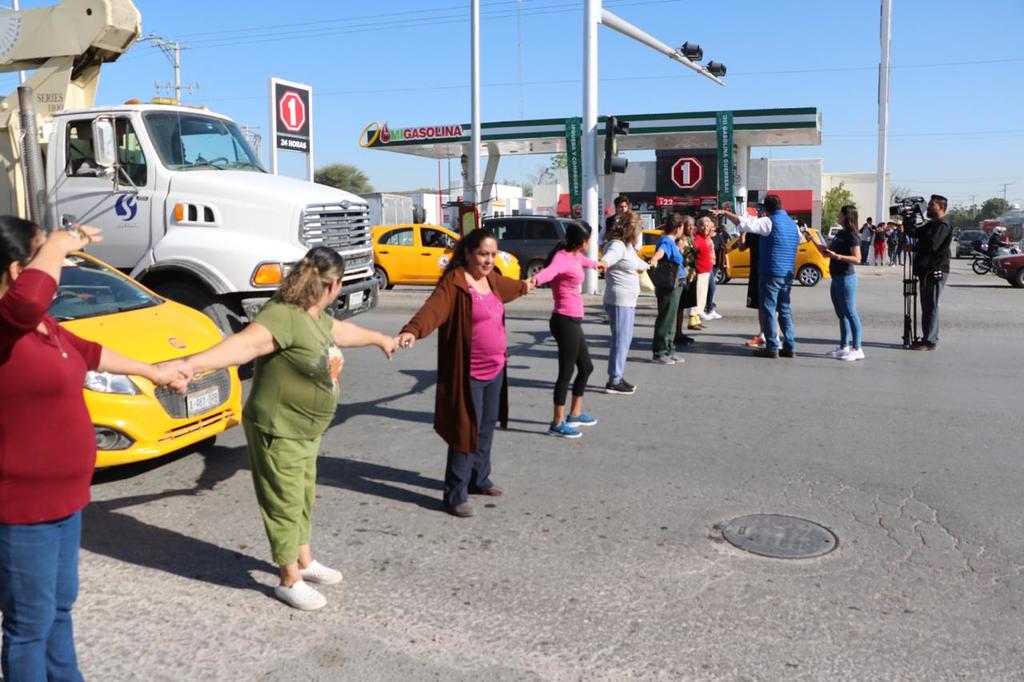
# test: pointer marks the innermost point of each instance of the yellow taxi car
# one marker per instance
(418, 254)
(134, 420)
(811, 266)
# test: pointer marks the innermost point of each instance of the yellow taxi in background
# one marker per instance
(134, 420)
(418, 254)
(650, 238)
(811, 266)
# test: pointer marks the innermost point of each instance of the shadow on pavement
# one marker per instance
(377, 479)
(376, 407)
(109, 531)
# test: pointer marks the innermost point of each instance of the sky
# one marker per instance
(956, 99)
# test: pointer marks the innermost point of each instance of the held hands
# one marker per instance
(175, 374)
(388, 344)
(405, 340)
(602, 266)
(74, 239)
(531, 284)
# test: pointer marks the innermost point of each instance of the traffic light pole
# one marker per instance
(593, 16)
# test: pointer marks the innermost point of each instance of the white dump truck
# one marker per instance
(185, 206)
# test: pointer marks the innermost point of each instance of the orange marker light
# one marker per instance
(267, 274)
(179, 212)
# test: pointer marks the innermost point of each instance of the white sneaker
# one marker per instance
(714, 315)
(317, 573)
(704, 316)
(301, 596)
(852, 355)
(839, 351)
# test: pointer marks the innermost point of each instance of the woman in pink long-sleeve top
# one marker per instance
(564, 270)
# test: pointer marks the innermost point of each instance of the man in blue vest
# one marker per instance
(780, 239)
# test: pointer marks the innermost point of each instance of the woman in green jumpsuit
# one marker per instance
(297, 348)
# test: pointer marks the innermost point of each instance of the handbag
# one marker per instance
(665, 274)
(645, 282)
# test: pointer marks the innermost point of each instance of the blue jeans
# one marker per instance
(844, 300)
(38, 586)
(621, 319)
(931, 289)
(774, 293)
(710, 306)
(471, 471)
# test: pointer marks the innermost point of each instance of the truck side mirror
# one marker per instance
(103, 147)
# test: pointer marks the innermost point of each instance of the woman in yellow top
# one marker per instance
(297, 348)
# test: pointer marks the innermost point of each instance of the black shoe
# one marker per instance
(463, 511)
(684, 340)
(622, 387)
(765, 353)
(922, 345)
(787, 353)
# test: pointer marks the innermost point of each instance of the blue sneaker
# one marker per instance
(563, 430)
(580, 420)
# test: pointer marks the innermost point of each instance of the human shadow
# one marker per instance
(378, 407)
(109, 531)
(379, 480)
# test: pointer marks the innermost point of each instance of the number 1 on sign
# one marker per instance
(289, 106)
(686, 174)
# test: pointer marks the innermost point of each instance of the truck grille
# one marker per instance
(176, 406)
(337, 226)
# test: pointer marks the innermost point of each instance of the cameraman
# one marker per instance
(931, 265)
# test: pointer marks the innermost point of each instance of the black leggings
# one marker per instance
(572, 353)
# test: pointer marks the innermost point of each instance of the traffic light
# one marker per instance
(612, 162)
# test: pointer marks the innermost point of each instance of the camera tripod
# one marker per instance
(910, 287)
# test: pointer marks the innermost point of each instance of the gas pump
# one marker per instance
(469, 217)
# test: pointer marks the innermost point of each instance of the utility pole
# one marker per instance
(1005, 185)
(474, 156)
(172, 50)
(882, 203)
(16, 6)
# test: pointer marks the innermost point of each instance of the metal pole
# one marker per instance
(177, 72)
(474, 157)
(591, 20)
(16, 6)
(32, 160)
(882, 204)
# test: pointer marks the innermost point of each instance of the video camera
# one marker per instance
(911, 209)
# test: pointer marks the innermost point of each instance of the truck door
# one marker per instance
(84, 194)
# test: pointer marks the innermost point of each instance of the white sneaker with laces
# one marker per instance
(301, 596)
(317, 573)
(714, 315)
(839, 350)
(704, 316)
(852, 355)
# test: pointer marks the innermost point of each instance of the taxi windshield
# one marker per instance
(89, 289)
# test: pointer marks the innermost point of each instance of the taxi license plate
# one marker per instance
(202, 401)
(355, 300)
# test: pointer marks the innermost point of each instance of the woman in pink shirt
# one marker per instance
(564, 270)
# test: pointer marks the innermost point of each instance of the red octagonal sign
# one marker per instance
(292, 111)
(687, 172)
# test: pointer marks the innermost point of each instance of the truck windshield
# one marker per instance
(88, 289)
(197, 142)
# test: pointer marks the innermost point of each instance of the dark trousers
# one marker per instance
(38, 586)
(865, 249)
(931, 289)
(472, 470)
(663, 342)
(573, 354)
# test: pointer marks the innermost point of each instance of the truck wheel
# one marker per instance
(1018, 279)
(808, 275)
(382, 278)
(227, 316)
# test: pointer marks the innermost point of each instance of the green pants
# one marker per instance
(665, 325)
(284, 475)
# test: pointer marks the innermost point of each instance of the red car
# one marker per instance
(1010, 268)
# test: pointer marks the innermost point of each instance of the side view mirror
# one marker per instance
(103, 145)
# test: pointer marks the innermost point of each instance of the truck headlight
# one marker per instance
(104, 382)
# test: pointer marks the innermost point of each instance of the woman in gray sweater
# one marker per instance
(621, 289)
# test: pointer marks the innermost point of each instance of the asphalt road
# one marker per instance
(603, 561)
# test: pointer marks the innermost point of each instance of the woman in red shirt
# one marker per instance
(705, 249)
(47, 450)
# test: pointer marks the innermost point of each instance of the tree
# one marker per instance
(898, 192)
(994, 207)
(835, 199)
(963, 217)
(559, 161)
(345, 177)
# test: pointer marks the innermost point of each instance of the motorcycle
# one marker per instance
(982, 264)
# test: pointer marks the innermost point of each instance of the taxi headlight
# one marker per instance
(104, 382)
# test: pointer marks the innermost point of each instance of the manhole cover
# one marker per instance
(778, 536)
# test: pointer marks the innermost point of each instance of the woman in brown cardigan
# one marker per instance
(468, 305)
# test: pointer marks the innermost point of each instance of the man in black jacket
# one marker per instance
(931, 265)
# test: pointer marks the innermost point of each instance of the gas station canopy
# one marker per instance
(692, 130)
